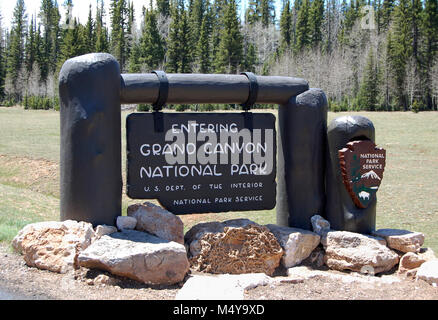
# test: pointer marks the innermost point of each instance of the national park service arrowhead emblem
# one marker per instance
(362, 165)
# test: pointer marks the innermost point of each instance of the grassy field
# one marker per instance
(408, 198)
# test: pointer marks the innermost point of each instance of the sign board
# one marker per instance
(362, 165)
(203, 162)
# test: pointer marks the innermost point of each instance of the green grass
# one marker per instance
(29, 133)
(19, 207)
(408, 198)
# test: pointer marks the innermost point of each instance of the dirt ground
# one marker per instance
(22, 282)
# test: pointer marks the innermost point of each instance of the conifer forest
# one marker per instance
(375, 55)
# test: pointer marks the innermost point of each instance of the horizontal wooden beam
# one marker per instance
(209, 88)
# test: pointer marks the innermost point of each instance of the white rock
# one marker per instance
(139, 256)
(427, 254)
(53, 245)
(361, 253)
(126, 223)
(429, 272)
(401, 240)
(221, 287)
(103, 230)
(306, 273)
(410, 261)
(297, 244)
(157, 221)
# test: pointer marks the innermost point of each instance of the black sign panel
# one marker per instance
(203, 162)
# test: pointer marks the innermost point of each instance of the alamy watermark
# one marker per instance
(368, 21)
(216, 144)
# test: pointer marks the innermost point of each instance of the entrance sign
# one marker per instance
(203, 162)
(362, 165)
(207, 163)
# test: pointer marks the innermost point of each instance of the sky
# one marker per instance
(80, 9)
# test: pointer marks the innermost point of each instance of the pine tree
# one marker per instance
(351, 13)
(2, 61)
(385, 14)
(217, 14)
(416, 13)
(187, 43)
(180, 52)
(163, 7)
(50, 18)
(173, 49)
(253, 12)
(267, 12)
(260, 10)
(387, 62)
(151, 49)
(250, 58)
(303, 31)
(74, 43)
(15, 58)
(31, 46)
(130, 28)
(101, 32)
(401, 50)
(369, 89)
(203, 47)
(229, 55)
(197, 13)
(40, 59)
(286, 27)
(90, 39)
(316, 18)
(429, 27)
(119, 22)
(134, 65)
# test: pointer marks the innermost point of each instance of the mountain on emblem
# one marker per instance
(370, 175)
(362, 165)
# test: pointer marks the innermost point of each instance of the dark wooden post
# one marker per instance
(302, 125)
(341, 211)
(91, 180)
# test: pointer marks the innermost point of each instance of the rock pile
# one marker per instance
(380, 252)
(141, 255)
(149, 246)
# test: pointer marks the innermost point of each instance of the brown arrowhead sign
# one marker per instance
(362, 165)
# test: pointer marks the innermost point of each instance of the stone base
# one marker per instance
(138, 256)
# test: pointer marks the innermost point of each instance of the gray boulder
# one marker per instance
(158, 221)
(139, 256)
(401, 240)
(297, 244)
(357, 252)
(320, 225)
